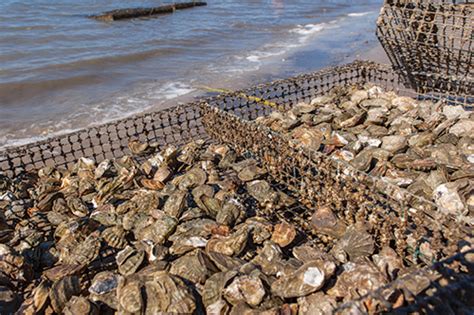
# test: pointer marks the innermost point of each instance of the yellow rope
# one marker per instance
(252, 98)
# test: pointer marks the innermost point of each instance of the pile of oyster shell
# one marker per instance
(424, 146)
(194, 229)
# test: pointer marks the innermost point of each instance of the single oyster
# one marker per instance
(349, 119)
(102, 168)
(193, 178)
(162, 174)
(447, 198)
(230, 245)
(357, 280)
(103, 288)
(137, 148)
(214, 286)
(175, 204)
(130, 296)
(307, 279)
(324, 221)
(168, 293)
(359, 96)
(250, 173)
(129, 260)
(283, 234)
(404, 103)
(355, 243)
(115, 236)
(421, 139)
(261, 229)
(463, 127)
(248, 289)
(160, 230)
(195, 267)
(270, 259)
(62, 291)
(308, 137)
(86, 252)
(224, 262)
(388, 262)
(394, 143)
(306, 253)
(365, 160)
(262, 192)
(304, 108)
(230, 212)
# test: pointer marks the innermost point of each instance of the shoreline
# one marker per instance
(371, 52)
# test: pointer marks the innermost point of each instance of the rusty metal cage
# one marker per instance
(317, 180)
(431, 44)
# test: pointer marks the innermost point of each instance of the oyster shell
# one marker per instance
(283, 234)
(262, 192)
(357, 279)
(129, 260)
(195, 267)
(168, 293)
(103, 288)
(316, 304)
(246, 288)
(355, 243)
(62, 290)
(230, 245)
(214, 286)
(115, 236)
(305, 280)
(324, 221)
(175, 204)
(159, 231)
(448, 199)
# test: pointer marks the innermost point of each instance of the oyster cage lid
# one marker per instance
(430, 44)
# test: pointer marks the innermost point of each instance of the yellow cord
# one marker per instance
(252, 98)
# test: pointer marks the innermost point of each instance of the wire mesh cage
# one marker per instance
(431, 44)
(319, 181)
(310, 176)
(183, 123)
(176, 125)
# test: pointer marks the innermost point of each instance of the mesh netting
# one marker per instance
(431, 43)
(176, 126)
(182, 123)
(400, 218)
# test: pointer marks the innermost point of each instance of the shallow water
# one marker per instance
(60, 71)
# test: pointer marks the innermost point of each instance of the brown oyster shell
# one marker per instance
(324, 221)
(283, 234)
(305, 280)
(355, 243)
(246, 288)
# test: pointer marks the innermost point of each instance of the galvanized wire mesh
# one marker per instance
(182, 123)
(431, 43)
(176, 125)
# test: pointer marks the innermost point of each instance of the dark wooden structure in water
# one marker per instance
(122, 14)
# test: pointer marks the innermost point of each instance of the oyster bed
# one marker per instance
(196, 229)
(424, 146)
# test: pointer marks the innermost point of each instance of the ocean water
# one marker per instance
(61, 71)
